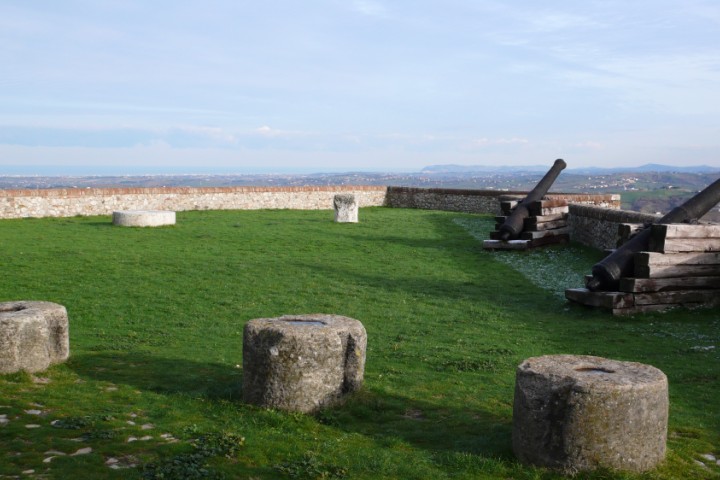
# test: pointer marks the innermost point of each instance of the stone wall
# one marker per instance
(477, 201)
(453, 200)
(68, 202)
(598, 227)
(103, 201)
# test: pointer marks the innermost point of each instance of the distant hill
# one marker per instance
(454, 169)
(650, 167)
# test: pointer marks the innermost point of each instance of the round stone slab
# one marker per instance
(143, 218)
(302, 363)
(33, 336)
(577, 413)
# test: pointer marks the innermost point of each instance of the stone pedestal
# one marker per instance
(346, 208)
(33, 336)
(143, 218)
(302, 362)
(577, 413)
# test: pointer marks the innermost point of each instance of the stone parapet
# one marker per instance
(598, 227)
(478, 201)
(68, 202)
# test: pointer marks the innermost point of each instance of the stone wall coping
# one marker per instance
(89, 192)
(612, 215)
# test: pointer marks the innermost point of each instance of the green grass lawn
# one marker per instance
(156, 321)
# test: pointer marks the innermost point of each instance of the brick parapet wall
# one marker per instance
(598, 227)
(103, 201)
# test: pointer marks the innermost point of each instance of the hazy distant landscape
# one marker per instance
(649, 189)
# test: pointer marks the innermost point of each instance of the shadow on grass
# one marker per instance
(161, 375)
(391, 419)
(388, 419)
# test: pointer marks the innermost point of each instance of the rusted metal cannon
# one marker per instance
(513, 224)
(606, 274)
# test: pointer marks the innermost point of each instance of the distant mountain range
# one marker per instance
(650, 167)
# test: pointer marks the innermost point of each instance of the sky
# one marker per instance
(230, 86)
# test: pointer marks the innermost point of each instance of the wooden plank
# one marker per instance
(550, 218)
(705, 297)
(669, 271)
(648, 259)
(507, 206)
(548, 207)
(642, 285)
(600, 299)
(673, 245)
(627, 230)
(551, 203)
(546, 233)
(509, 245)
(553, 210)
(685, 230)
(556, 239)
(684, 238)
(544, 225)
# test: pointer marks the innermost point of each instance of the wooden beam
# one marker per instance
(546, 233)
(673, 245)
(509, 245)
(643, 285)
(545, 207)
(545, 218)
(610, 300)
(534, 226)
(684, 238)
(627, 230)
(507, 206)
(539, 242)
(705, 297)
(648, 259)
(669, 271)
(685, 230)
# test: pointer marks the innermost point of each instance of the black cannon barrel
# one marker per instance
(606, 274)
(513, 224)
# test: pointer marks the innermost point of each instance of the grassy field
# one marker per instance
(153, 386)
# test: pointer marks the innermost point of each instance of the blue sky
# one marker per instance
(129, 86)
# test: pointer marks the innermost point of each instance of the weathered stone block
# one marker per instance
(577, 413)
(302, 362)
(143, 218)
(33, 335)
(346, 208)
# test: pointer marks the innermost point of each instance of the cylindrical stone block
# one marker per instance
(302, 363)
(33, 336)
(143, 218)
(578, 413)
(346, 208)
